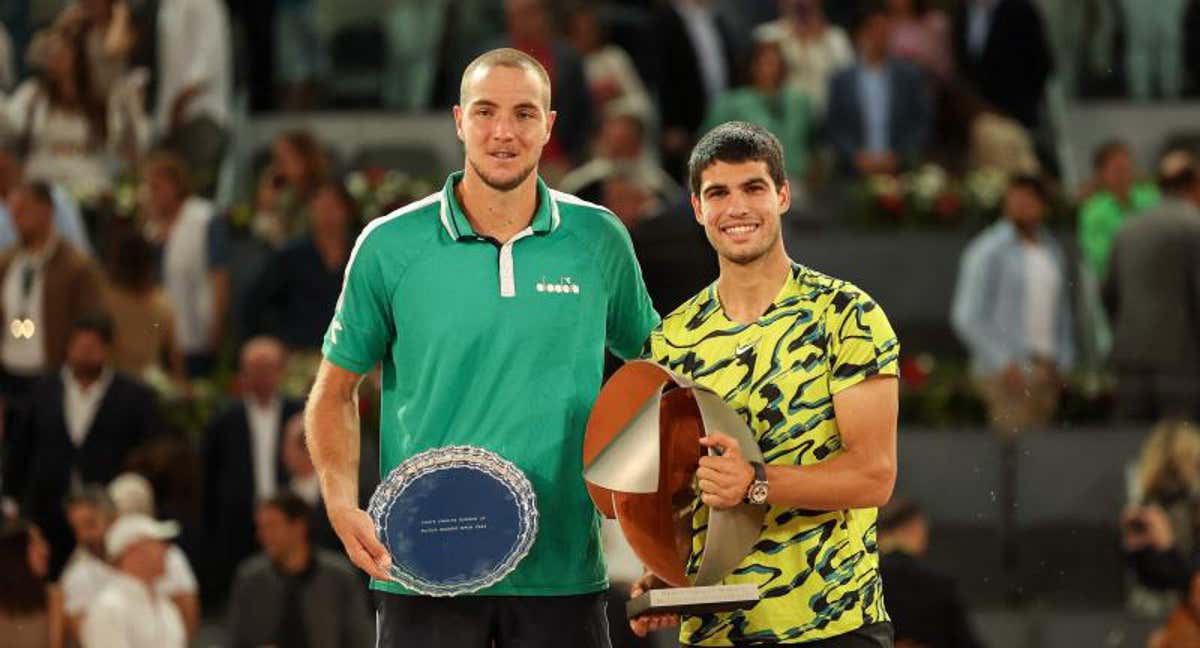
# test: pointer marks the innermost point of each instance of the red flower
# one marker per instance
(913, 372)
(947, 205)
(375, 176)
(892, 203)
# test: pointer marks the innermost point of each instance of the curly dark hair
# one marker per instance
(736, 142)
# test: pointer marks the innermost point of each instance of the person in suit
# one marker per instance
(1151, 294)
(880, 110)
(242, 459)
(924, 604)
(1002, 51)
(696, 63)
(88, 420)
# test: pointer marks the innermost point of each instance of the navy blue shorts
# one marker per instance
(491, 621)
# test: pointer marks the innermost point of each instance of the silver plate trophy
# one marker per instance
(641, 453)
(455, 519)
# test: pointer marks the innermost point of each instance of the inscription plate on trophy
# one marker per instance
(455, 519)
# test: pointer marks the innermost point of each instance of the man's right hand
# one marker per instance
(646, 623)
(356, 530)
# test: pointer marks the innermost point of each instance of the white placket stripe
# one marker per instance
(508, 282)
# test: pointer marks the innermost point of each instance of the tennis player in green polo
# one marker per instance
(489, 305)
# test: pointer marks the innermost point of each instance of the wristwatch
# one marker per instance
(757, 492)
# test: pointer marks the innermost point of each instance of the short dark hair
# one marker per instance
(290, 505)
(736, 142)
(39, 190)
(1033, 184)
(97, 322)
(173, 166)
(92, 495)
(867, 9)
(897, 513)
(1106, 150)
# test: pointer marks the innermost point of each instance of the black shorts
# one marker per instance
(876, 635)
(491, 621)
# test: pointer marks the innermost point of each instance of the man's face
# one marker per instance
(294, 452)
(740, 208)
(504, 124)
(1116, 175)
(329, 217)
(87, 354)
(262, 370)
(621, 138)
(1024, 208)
(525, 19)
(161, 191)
(31, 216)
(627, 199)
(89, 525)
(146, 557)
(873, 36)
(278, 535)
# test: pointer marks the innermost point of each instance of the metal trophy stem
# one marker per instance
(640, 456)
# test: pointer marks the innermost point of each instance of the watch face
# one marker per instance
(758, 493)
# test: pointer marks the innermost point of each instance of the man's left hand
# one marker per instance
(723, 478)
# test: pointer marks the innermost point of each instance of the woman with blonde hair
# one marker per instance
(1161, 532)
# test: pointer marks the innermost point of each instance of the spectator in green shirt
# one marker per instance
(765, 100)
(1117, 196)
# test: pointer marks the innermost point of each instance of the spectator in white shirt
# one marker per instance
(195, 82)
(132, 493)
(129, 612)
(91, 512)
(193, 258)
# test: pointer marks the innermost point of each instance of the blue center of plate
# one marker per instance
(453, 525)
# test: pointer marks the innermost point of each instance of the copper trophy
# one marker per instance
(640, 457)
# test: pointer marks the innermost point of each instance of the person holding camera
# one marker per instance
(1161, 535)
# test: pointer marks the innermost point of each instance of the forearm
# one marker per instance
(189, 610)
(332, 425)
(220, 291)
(849, 480)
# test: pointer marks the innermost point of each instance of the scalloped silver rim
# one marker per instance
(459, 456)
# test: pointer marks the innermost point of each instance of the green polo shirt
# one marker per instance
(500, 347)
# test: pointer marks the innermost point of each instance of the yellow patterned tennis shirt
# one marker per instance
(817, 571)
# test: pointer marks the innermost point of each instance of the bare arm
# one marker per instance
(862, 476)
(57, 616)
(331, 422)
(220, 290)
(188, 605)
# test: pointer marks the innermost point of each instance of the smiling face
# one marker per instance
(740, 208)
(504, 121)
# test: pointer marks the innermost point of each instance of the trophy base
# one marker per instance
(694, 600)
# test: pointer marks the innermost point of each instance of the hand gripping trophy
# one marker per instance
(640, 456)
